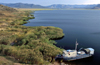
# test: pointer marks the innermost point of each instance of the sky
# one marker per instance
(50, 2)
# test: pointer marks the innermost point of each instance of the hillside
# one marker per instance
(25, 44)
(6, 16)
(22, 5)
(5, 8)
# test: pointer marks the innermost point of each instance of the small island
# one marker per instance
(25, 44)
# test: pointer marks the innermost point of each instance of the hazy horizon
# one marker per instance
(50, 2)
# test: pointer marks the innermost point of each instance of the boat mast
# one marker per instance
(76, 45)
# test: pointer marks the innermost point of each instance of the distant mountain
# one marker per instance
(22, 5)
(57, 6)
(97, 7)
(90, 6)
(61, 6)
(5, 8)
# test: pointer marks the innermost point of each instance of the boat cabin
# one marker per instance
(74, 53)
(69, 53)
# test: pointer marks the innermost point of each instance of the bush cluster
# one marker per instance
(29, 45)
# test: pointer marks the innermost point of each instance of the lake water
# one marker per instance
(83, 25)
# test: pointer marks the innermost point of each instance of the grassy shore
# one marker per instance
(34, 9)
(28, 45)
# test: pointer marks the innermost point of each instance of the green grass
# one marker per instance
(30, 45)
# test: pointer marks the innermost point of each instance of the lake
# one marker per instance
(83, 25)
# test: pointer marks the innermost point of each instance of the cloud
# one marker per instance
(92, 2)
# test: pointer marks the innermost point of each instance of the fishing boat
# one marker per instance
(70, 55)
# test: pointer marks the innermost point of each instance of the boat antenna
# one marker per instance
(76, 45)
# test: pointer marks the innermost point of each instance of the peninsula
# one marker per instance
(22, 44)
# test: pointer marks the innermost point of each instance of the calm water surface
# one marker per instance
(83, 25)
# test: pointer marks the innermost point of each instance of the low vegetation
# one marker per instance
(28, 45)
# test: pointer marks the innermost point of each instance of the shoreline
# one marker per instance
(29, 40)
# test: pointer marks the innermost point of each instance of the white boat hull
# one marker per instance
(74, 58)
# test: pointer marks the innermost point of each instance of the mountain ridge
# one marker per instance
(54, 6)
(61, 6)
(97, 7)
(22, 5)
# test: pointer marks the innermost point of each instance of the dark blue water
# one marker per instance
(83, 25)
